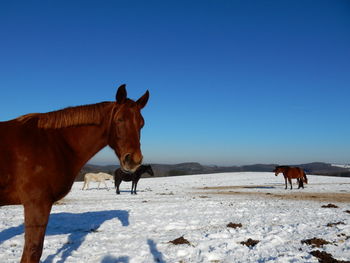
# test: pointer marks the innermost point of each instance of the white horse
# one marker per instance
(96, 177)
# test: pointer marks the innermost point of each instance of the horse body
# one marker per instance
(37, 172)
(26, 159)
(96, 177)
(290, 173)
(41, 154)
(120, 175)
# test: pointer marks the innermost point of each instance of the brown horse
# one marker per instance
(292, 173)
(41, 154)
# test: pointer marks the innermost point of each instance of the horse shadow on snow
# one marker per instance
(78, 226)
(157, 255)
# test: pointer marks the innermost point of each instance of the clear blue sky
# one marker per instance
(231, 82)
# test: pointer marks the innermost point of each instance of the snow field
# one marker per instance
(100, 226)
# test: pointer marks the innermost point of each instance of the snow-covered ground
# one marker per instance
(99, 226)
(342, 165)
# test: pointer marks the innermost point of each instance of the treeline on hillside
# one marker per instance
(162, 170)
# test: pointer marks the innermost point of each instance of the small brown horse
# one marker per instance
(292, 173)
(41, 154)
(120, 175)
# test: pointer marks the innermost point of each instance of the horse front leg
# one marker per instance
(132, 187)
(285, 180)
(301, 183)
(36, 217)
(135, 186)
(106, 185)
(84, 185)
(290, 182)
(117, 184)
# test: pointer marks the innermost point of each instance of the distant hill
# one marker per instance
(326, 169)
(162, 170)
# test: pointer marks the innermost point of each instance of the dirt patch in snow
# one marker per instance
(324, 257)
(335, 224)
(234, 225)
(315, 242)
(250, 242)
(330, 206)
(289, 195)
(180, 241)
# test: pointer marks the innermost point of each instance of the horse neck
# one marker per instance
(86, 140)
(284, 170)
(142, 170)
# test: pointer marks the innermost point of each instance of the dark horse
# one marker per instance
(42, 153)
(120, 175)
(292, 173)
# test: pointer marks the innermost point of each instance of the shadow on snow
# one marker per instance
(157, 255)
(78, 226)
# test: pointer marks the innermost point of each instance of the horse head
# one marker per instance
(125, 127)
(278, 170)
(149, 170)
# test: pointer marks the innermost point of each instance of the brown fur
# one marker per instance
(41, 154)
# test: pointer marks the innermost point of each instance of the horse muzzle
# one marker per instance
(130, 162)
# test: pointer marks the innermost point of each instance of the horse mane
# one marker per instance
(143, 168)
(69, 117)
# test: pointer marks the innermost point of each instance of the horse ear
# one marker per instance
(121, 94)
(143, 100)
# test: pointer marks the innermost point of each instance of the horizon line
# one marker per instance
(161, 163)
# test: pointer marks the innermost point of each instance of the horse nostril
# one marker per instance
(127, 158)
(131, 161)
